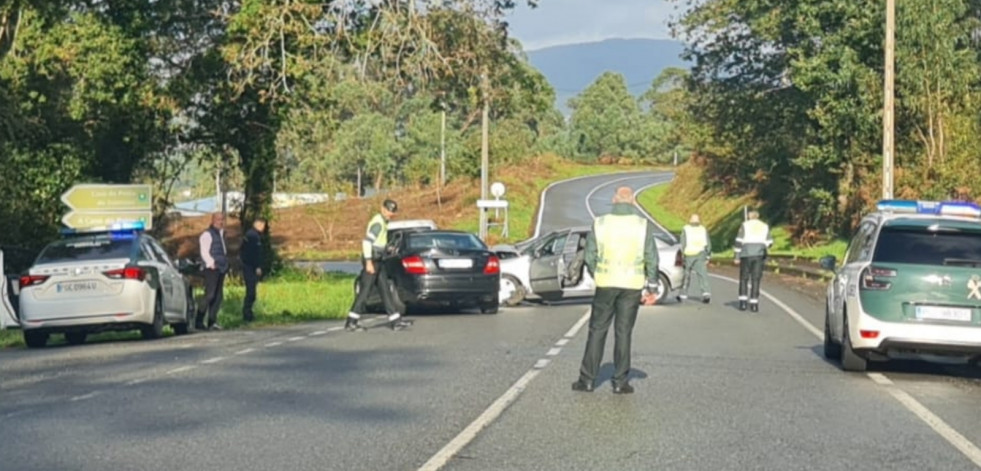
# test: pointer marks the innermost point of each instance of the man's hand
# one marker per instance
(370, 267)
(258, 271)
(737, 260)
(648, 298)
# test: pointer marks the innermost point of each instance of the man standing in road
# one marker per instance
(621, 255)
(251, 254)
(696, 247)
(215, 256)
(373, 273)
(751, 244)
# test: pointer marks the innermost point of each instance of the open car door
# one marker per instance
(8, 314)
(546, 265)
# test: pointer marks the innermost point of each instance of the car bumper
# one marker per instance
(131, 306)
(455, 289)
(897, 338)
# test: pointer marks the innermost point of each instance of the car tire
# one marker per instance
(184, 328)
(518, 292)
(75, 338)
(850, 361)
(832, 349)
(665, 287)
(490, 308)
(35, 339)
(154, 330)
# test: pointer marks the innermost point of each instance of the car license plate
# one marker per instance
(76, 287)
(943, 313)
(455, 263)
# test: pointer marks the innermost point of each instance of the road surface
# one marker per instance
(717, 389)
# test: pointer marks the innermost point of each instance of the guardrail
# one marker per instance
(785, 265)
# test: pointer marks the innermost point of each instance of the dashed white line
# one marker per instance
(562, 342)
(181, 369)
(212, 360)
(243, 352)
(335, 329)
(137, 381)
(85, 396)
(294, 339)
(542, 363)
(553, 352)
(273, 344)
(316, 333)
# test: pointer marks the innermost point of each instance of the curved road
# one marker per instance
(717, 388)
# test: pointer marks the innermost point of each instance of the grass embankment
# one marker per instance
(291, 297)
(671, 204)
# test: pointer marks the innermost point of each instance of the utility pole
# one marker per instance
(442, 146)
(888, 116)
(484, 153)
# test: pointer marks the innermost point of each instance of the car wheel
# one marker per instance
(183, 328)
(155, 330)
(663, 288)
(850, 361)
(832, 349)
(35, 339)
(512, 291)
(75, 338)
(489, 308)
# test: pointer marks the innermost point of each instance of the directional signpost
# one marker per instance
(95, 205)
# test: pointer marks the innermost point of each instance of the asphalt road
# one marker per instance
(716, 389)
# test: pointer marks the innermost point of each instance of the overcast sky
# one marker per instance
(557, 22)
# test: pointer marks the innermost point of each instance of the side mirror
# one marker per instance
(187, 267)
(828, 262)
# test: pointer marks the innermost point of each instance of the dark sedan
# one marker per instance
(441, 268)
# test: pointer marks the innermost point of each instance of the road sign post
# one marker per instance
(96, 205)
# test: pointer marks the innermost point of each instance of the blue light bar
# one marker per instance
(115, 229)
(943, 208)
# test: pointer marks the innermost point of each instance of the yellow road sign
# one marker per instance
(108, 197)
(90, 219)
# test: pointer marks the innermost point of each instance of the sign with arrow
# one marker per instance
(95, 205)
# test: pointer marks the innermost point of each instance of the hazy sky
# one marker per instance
(573, 21)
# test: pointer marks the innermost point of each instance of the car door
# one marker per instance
(545, 266)
(844, 283)
(8, 314)
(576, 243)
(176, 287)
(149, 259)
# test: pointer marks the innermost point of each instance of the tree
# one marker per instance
(603, 117)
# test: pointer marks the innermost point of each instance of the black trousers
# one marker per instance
(619, 307)
(251, 280)
(750, 271)
(214, 287)
(374, 281)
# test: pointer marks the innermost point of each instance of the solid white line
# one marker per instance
(335, 329)
(181, 369)
(647, 214)
(553, 352)
(319, 332)
(243, 352)
(575, 328)
(273, 344)
(919, 410)
(212, 360)
(294, 339)
(541, 201)
(493, 412)
(589, 207)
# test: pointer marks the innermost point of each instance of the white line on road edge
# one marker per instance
(243, 352)
(212, 360)
(273, 344)
(85, 396)
(589, 207)
(319, 332)
(541, 200)
(181, 369)
(932, 420)
(493, 412)
(294, 339)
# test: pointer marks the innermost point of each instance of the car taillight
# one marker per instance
(493, 266)
(870, 278)
(678, 259)
(128, 273)
(414, 265)
(31, 280)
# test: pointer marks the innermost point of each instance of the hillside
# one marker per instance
(571, 68)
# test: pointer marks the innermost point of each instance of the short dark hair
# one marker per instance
(391, 205)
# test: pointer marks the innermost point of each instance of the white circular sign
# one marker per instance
(497, 189)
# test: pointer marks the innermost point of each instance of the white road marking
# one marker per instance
(541, 199)
(243, 352)
(85, 396)
(212, 360)
(553, 352)
(319, 332)
(335, 329)
(494, 411)
(181, 369)
(273, 344)
(562, 342)
(137, 381)
(294, 339)
(945, 431)
(589, 207)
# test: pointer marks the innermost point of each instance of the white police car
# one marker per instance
(909, 286)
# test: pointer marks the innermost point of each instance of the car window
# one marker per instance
(861, 244)
(160, 252)
(556, 246)
(923, 246)
(86, 249)
(444, 241)
(146, 253)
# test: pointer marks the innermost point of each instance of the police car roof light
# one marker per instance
(118, 228)
(958, 208)
(898, 206)
(944, 208)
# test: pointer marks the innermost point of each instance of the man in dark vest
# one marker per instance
(251, 254)
(215, 257)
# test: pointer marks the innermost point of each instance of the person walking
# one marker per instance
(621, 256)
(373, 272)
(215, 257)
(251, 255)
(751, 245)
(696, 248)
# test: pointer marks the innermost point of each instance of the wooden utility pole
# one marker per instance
(484, 152)
(888, 116)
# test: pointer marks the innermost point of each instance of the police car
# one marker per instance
(909, 286)
(113, 278)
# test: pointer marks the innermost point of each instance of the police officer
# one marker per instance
(251, 255)
(621, 255)
(373, 273)
(752, 243)
(696, 247)
(215, 257)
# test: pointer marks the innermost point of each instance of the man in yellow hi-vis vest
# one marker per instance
(621, 256)
(751, 244)
(696, 247)
(373, 273)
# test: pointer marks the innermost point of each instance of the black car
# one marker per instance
(440, 268)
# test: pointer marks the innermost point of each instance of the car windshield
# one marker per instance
(928, 246)
(445, 241)
(87, 248)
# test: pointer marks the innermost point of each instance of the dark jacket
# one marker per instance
(251, 252)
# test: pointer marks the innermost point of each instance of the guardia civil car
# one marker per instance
(909, 286)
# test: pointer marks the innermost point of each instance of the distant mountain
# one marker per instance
(572, 67)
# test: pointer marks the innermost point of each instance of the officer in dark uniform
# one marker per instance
(751, 247)
(373, 273)
(251, 255)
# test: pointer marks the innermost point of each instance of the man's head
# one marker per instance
(753, 214)
(389, 208)
(624, 194)
(218, 220)
(259, 225)
(694, 220)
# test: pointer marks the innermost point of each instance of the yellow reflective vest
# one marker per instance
(696, 239)
(620, 251)
(375, 243)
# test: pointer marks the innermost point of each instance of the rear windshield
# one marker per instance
(921, 246)
(85, 249)
(445, 241)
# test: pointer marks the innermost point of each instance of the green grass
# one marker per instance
(650, 200)
(290, 297)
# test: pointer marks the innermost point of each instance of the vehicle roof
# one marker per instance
(927, 220)
(409, 223)
(442, 231)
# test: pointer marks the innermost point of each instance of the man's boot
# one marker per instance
(742, 304)
(199, 321)
(399, 324)
(352, 325)
(754, 307)
(706, 298)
